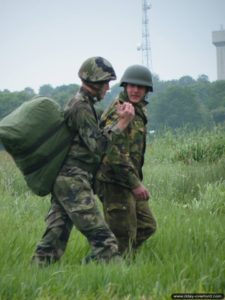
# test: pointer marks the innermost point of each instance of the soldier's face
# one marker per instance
(135, 92)
(103, 90)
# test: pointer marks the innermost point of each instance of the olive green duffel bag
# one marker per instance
(36, 136)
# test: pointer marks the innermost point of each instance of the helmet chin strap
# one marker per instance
(94, 89)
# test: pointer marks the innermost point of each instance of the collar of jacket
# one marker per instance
(86, 93)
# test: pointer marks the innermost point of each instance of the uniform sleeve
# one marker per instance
(95, 139)
(117, 158)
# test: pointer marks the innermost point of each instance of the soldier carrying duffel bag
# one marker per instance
(73, 202)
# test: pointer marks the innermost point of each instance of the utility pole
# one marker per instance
(145, 47)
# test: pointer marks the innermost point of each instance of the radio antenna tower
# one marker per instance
(145, 44)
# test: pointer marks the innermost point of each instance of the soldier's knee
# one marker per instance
(120, 223)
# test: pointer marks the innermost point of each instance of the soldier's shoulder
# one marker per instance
(81, 96)
(79, 100)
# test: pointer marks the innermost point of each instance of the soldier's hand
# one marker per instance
(126, 114)
(141, 193)
(125, 111)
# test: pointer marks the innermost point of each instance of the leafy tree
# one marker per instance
(217, 98)
(29, 91)
(10, 101)
(64, 93)
(46, 90)
(202, 90)
(219, 115)
(203, 78)
(186, 81)
(173, 103)
(177, 107)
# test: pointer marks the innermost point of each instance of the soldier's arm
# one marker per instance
(124, 114)
(123, 170)
(89, 130)
(96, 140)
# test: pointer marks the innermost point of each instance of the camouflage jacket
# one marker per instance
(90, 142)
(123, 162)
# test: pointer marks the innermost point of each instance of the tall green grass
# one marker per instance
(186, 254)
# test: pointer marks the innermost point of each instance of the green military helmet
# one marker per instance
(139, 75)
(96, 69)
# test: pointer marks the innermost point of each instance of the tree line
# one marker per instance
(185, 102)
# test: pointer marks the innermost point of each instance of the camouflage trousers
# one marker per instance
(131, 220)
(73, 203)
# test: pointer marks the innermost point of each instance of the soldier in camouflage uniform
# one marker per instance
(119, 179)
(72, 201)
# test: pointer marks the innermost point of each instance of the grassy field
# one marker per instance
(186, 177)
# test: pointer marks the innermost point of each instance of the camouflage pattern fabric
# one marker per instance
(130, 220)
(72, 200)
(96, 69)
(125, 158)
(121, 171)
(90, 142)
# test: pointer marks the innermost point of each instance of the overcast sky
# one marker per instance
(45, 41)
